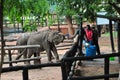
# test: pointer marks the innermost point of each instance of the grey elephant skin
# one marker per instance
(47, 41)
(22, 40)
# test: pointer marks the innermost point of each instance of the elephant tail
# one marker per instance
(18, 57)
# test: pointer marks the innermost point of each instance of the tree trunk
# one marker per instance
(117, 8)
(58, 24)
(70, 26)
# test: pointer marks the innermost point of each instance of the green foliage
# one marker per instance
(86, 8)
(51, 21)
(15, 10)
(107, 34)
(29, 27)
(110, 9)
(41, 9)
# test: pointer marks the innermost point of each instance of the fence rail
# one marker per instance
(9, 48)
(22, 60)
(21, 47)
(23, 67)
(69, 60)
(67, 65)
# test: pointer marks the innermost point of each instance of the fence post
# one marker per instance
(106, 67)
(64, 71)
(119, 76)
(118, 31)
(10, 57)
(25, 74)
(111, 36)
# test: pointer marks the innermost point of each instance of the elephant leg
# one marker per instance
(28, 55)
(25, 54)
(55, 53)
(52, 57)
(25, 57)
(37, 61)
(49, 54)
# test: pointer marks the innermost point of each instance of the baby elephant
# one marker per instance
(22, 40)
(47, 40)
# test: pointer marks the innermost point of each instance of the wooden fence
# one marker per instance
(67, 65)
(10, 48)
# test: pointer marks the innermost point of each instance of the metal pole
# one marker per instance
(106, 67)
(25, 74)
(118, 40)
(111, 36)
(10, 57)
(2, 36)
(80, 37)
(64, 71)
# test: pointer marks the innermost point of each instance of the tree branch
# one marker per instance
(117, 8)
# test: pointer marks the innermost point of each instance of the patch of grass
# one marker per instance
(107, 34)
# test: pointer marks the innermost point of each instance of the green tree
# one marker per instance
(82, 8)
(19, 10)
(112, 7)
(40, 9)
(87, 9)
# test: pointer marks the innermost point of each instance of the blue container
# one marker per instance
(91, 50)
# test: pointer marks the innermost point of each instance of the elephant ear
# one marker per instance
(55, 37)
(50, 36)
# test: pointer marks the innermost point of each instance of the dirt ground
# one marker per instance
(54, 73)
